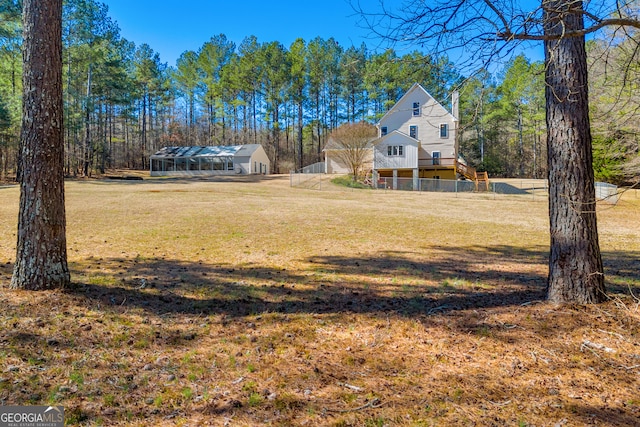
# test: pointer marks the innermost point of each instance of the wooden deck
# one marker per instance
(481, 179)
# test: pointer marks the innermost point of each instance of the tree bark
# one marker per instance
(41, 259)
(88, 155)
(299, 135)
(575, 263)
(143, 139)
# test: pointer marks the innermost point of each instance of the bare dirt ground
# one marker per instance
(247, 302)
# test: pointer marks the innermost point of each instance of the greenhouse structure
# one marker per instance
(221, 160)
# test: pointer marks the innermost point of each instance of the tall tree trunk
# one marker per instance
(211, 128)
(575, 263)
(143, 143)
(104, 132)
(191, 119)
(150, 131)
(535, 150)
(3, 156)
(245, 121)
(300, 141)
(319, 151)
(224, 127)
(88, 155)
(68, 160)
(255, 115)
(112, 154)
(520, 144)
(127, 143)
(41, 256)
(276, 139)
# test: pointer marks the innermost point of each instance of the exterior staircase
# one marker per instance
(481, 179)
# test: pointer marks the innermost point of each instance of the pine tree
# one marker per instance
(41, 260)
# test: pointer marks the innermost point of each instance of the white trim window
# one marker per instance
(413, 131)
(416, 109)
(444, 130)
(383, 131)
(436, 158)
(395, 150)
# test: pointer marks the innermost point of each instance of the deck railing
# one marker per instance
(438, 161)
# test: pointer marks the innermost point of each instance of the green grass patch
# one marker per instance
(348, 181)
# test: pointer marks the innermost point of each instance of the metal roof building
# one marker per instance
(201, 161)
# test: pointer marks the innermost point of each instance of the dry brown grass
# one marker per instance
(250, 303)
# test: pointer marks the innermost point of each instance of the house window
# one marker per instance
(436, 158)
(383, 131)
(395, 150)
(413, 132)
(444, 130)
(416, 109)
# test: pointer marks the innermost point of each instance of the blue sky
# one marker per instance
(171, 28)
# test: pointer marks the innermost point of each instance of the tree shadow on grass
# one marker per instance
(403, 283)
(622, 272)
(610, 416)
(449, 282)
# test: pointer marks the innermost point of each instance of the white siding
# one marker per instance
(408, 160)
(251, 165)
(335, 165)
(432, 115)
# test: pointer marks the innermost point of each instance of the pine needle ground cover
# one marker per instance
(248, 303)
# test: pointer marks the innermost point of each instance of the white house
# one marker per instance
(201, 161)
(417, 138)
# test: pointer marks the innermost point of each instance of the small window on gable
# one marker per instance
(444, 130)
(416, 109)
(413, 131)
(383, 131)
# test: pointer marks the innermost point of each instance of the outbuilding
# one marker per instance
(219, 160)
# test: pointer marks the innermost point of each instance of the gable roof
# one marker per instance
(248, 149)
(416, 86)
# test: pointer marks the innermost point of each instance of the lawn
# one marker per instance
(247, 302)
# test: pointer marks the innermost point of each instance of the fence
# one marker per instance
(607, 193)
(533, 188)
(536, 189)
(424, 184)
(314, 168)
(308, 177)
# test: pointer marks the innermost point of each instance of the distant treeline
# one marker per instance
(122, 103)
